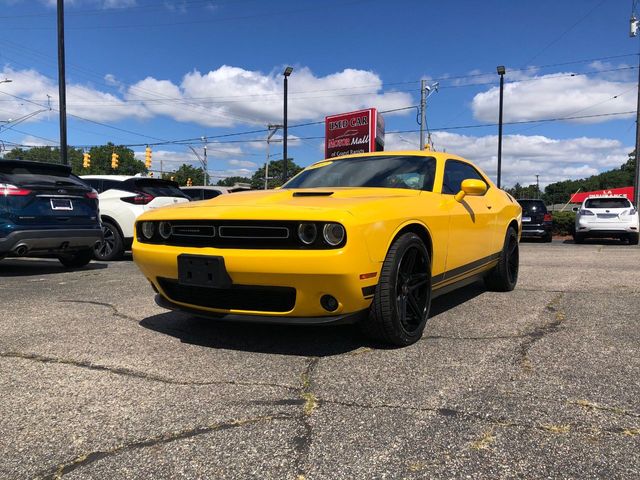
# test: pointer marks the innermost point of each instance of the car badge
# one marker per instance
(62, 191)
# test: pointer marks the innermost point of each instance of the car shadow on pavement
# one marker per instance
(599, 241)
(299, 340)
(20, 267)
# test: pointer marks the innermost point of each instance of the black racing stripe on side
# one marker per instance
(368, 291)
(456, 272)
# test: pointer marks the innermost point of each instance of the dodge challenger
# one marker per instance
(368, 238)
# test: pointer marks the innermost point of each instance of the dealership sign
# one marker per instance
(625, 192)
(354, 132)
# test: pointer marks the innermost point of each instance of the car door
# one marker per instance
(472, 221)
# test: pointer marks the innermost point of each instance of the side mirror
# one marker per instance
(575, 209)
(471, 186)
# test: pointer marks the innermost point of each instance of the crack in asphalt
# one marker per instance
(88, 458)
(540, 331)
(498, 422)
(116, 312)
(302, 443)
(133, 373)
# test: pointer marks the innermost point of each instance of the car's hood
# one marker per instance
(289, 203)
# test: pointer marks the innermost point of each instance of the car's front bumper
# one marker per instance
(311, 273)
(50, 241)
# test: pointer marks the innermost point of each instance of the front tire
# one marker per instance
(504, 276)
(578, 238)
(112, 247)
(633, 238)
(77, 259)
(400, 307)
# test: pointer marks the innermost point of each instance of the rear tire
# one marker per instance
(547, 238)
(77, 259)
(400, 308)
(578, 238)
(633, 238)
(504, 276)
(112, 247)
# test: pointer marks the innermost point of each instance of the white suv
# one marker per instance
(607, 217)
(122, 198)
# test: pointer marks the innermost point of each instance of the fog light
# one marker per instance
(148, 228)
(307, 233)
(165, 230)
(329, 303)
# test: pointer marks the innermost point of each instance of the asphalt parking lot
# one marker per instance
(96, 381)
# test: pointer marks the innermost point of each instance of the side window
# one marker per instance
(207, 194)
(454, 173)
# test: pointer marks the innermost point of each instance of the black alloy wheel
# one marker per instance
(112, 246)
(400, 307)
(504, 276)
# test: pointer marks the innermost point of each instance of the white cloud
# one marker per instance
(558, 95)
(525, 156)
(224, 97)
(242, 163)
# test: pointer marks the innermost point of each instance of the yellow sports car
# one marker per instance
(370, 238)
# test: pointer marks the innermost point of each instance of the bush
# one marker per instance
(563, 222)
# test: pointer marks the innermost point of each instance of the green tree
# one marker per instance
(184, 172)
(46, 154)
(231, 181)
(275, 174)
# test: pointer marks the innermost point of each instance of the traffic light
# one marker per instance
(172, 178)
(114, 160)
(151, 174)
(86, 160)
(147, 157)
(189, 182)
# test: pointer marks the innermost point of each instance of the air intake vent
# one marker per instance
(312, 194)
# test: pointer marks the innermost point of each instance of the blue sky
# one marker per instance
(142, 71)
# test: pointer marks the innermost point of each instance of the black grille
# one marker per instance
(238, 297)
(249, 234)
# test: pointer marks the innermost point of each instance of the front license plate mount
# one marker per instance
(203, 271)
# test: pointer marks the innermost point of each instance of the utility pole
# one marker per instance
(62, 82)
(636, 178)
(537, 186)
(501, 71)
(425, 92)
(272, 131)
(205, 162)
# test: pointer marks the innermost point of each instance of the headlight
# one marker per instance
(333, 233)
(307, 232)
(165, 230)
(148, 229)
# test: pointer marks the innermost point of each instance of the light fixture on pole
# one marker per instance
(6, 80)
(501, 71)
(286, 73)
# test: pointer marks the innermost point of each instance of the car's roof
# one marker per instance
(110, 177)
(26, 163)
(422, 153)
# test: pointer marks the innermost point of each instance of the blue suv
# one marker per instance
(46, 211)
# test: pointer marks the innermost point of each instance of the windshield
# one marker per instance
(533, 206)
(408, 171)
(607, 203)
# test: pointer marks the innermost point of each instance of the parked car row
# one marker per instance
(47, 211)
(598, 217)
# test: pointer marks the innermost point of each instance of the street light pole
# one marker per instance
(285, 158)
(62, 89)
(501, 71)
(634, 24)
(206, 165)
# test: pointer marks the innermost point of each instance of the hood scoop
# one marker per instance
(312, 194)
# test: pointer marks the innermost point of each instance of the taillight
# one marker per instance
(93, 195)
(139, 199)
(585, 212)
(11, 190)
(547, 217)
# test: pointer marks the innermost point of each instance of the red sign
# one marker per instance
(353, 132)
(581, 197)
